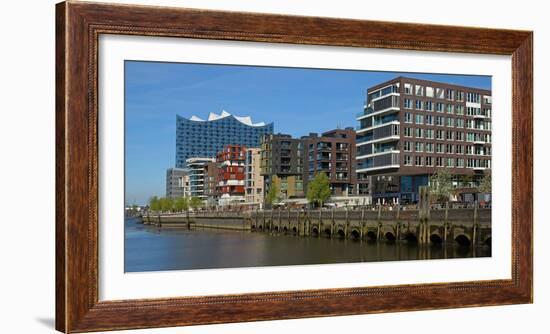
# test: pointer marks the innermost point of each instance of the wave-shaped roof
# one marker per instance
(247, 120)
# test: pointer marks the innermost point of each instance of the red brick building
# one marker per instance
(231, 174)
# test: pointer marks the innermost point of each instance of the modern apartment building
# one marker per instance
(410, 128)
(334, 154)
(254, 182)
(211, 175)
(231, 162)
(177, 183)
(195, 167)
(282, 165)
(196, 137)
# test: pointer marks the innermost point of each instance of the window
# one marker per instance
(460, 110)
(418, 104)
(439, 162)
(407, 104)
(407, 160)
(418, 119)
(449, 135)
(439, 107)
(470, 136)
(450, 162)
(429, 105)
(469, 124)
(450, 94)
(449, 148)
(408, 117)
(459, 123)
(419, 90)
(407, 147)
(469, 149)
(473, 98)
(429, 161)
(460, 96)
(440, 93)
(460, 162)
(429, 133)
(429, 120)
(459, 136)
(419, 147)
(450, 108)
(408, 89)
(439, 134)
(450, 122)
(487, 99)
(429, 91)
(439, 120)
(418, 161)
(407, 132)
(439, 148)
(429, 148)
(459, 149)
(418, 132)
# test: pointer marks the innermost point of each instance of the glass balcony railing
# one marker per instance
(385, 160)
(364, 139)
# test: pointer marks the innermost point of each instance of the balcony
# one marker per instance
(324, 147)
(381, 134)
(364, 139)
(324, 156)
(342, 168)
(387, 160)
(376, 125)
(285, 162)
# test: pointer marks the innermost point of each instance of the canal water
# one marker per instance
(148, 248)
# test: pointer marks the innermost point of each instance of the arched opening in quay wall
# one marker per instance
(463, 240)
(389, 236)
(411, 237)
(371, 235)
(436, 239)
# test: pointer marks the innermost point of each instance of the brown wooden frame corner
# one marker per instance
(78, 25)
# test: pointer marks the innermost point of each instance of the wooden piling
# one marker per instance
(362, 223)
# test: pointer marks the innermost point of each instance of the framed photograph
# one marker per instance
(223, 166)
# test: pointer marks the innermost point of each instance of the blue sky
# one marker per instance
(298, 101)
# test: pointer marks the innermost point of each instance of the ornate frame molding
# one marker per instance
(78, 27)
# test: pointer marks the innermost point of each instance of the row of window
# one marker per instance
(478, 124)
(445, 93)
(448, 108)
(445, 148)
(430, 161)
(446, 135)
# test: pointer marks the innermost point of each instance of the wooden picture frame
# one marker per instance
(78, 26)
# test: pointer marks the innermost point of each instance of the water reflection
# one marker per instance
(148, 248)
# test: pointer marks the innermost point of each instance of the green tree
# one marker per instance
(465, 181)
(195, 203)
(166, 204)
(485, 185)
(181, 204)
(318, 189)
(154, 203)
(272, 195)
(441, 185)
